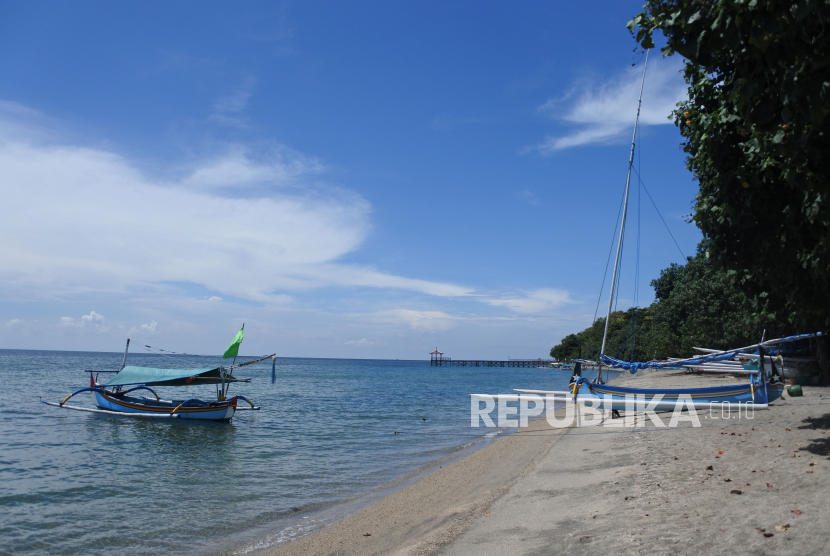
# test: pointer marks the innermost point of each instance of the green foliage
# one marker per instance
(701, 307)
(589, 340)
(697, 305)
(757, 135)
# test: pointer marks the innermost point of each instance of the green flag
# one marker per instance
(233, 349)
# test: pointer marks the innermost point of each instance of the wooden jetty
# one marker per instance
(437, 359)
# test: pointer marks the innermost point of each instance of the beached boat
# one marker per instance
(119, 395)
(759, 391)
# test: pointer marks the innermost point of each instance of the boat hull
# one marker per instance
(216, 411)
(619, 396)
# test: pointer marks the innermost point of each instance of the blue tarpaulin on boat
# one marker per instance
(698, 360)
(634, 367)
(131, 375)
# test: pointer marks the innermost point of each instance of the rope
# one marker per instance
(159, 350)
(608, 261)
(660, 215)
(637, 263)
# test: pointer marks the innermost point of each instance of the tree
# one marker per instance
(757, 136)
(696, 305)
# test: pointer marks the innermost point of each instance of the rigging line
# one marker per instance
(636, 273)
(660, 215)
(615, 287)
(608, 262)
(163, 355)
(619, 272)
(148, 348)
(159, 350)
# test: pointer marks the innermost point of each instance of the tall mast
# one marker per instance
(625, 212)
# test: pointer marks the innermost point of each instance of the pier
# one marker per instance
(437, 359)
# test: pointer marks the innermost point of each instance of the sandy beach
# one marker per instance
(745, 486)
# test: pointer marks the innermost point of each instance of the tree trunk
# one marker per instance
(822, 356)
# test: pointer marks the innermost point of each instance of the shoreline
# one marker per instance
(425, 513)
(292, 528)
(628, 491)
(270, 538)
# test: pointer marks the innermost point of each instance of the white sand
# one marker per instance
(598, 490)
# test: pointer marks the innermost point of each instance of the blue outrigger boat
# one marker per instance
(119, 396)
(764, 385)
(758, 392)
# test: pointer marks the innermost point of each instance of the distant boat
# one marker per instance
(113, 397)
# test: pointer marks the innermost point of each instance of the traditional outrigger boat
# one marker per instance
(115, 397)
(762, 388)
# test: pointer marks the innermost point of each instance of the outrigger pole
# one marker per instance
(622, 226)
(124, 362)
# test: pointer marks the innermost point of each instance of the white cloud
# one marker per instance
(605, 112)
(92, 319)
(361, 343)
(15, 323)
(19, 122)
(149, 328)
(214, 298)
(237, 170)
(538, 301)
(430, 321)
(78, 219)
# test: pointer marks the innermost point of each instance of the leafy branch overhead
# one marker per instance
(755, 128)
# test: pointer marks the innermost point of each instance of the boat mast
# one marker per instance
(625, 212)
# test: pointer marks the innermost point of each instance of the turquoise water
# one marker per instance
(80, 483)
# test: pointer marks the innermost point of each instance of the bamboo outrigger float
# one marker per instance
(115, 397)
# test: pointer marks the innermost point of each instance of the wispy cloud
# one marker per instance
(529, 197)
(240, 170)
(430, 321)
(361, 343)
(604, 112)
(537, 301)
(242, 224)
(230, 109)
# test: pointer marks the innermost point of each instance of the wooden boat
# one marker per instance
(120, 395)
(759, 391)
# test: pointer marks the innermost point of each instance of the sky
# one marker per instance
(348, 179)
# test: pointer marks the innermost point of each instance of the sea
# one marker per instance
(332, 435)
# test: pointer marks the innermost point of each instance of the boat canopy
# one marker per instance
(149, 376)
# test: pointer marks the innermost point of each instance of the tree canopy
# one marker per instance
(757, 135)
(696, 305)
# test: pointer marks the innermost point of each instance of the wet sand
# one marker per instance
(638, 490)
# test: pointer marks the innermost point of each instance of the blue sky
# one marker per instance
(350, 179)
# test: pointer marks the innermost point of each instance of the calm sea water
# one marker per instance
(81, 483)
